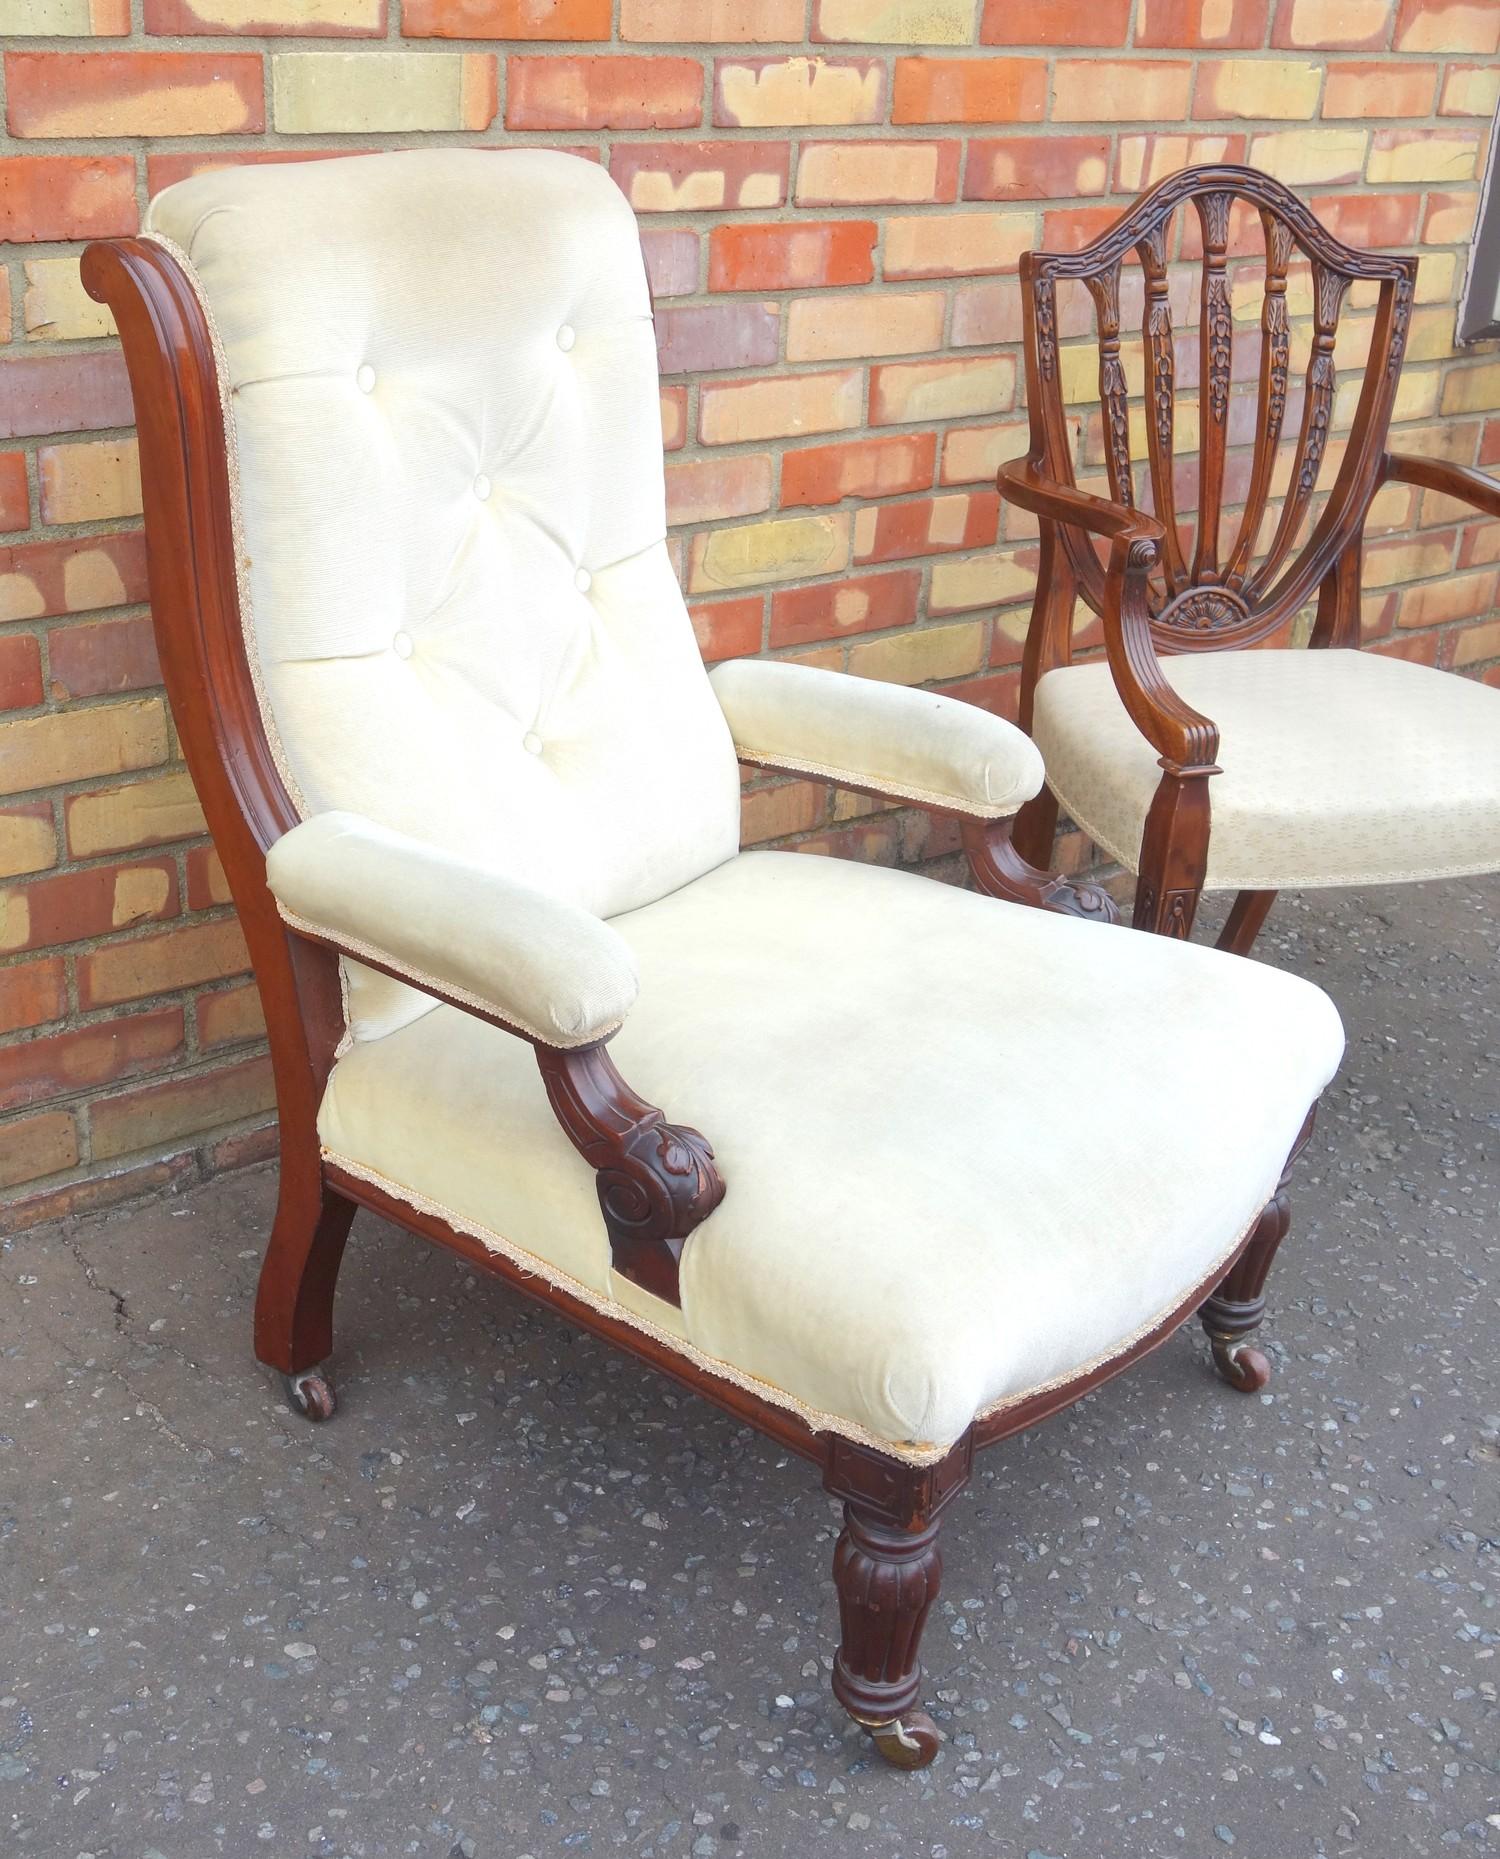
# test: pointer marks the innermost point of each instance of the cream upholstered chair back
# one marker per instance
(440, 384)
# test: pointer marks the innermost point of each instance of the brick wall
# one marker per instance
(834, 194)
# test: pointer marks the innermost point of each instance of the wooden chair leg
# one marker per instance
(1243, 925)
(1174, 854)
(1237, 1307)
(1034, 830)
(294, 1301)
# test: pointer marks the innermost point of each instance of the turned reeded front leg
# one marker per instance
(887, 1580)
(1237, 1308)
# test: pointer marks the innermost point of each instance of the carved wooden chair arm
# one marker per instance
(1437, 474)
(1184, 739)
(542, 969)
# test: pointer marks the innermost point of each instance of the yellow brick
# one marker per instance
(973, 454)
(896, 22)
(1409, 561)
(923, 657)
(72, 745)
(1437, 276)
(56, 307)
(1078, 370)
(1327, 25)
(27, 843)
(359, 16)
(1471, 90)
(848, 173)
(773, 812)
(942, 390)
(783, 549)
(1301, 157)
(933, 245)
(798, 93)
(673, 421)
(793, 406)
(1450, 218)
(986, 581)
(144, 813)
(722, 22)
(64, 19)
(1472, 390)
(1264, 87)
(1430, 336)
(1147, 159)
(86, 483)
(319, 93)
(1120, 90)
(1433, 155)
(1454, 597)
(1464, 26)
(827, 328)
(1477, 643)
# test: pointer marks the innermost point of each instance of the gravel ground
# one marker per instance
(522, 1598)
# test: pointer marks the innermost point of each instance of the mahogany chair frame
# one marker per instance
(656, 1180)
(1152, 595)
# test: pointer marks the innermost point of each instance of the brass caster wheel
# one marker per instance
(1241, 1365)
(311, 1394)
(908, 1742)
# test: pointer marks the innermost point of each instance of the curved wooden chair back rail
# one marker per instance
(1232, 585)
(887, 1565)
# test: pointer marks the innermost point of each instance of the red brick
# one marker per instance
(15, 498)
(1489, 444)
(20, 671)
(244, 1150)
(74, 575)
(95, 902)
(229, 17)
(84, 1057)
(174, 958)
(1359, 89)
(1371, 219)
(1069, 229)
(706, 490)
(676, 177)
(855, 604)
(799, 256)
(1036, 167)
(110, 1190)
(926, 526)
(671, 260)
(621, 92)
(969, 90)
(698, 338)
(206, 883)
(134, 93)
(155, 1114)
(1192, 23)
(102, 657)
(63, 393)
(728, 628)
(674, 413)
(1447, 26)
(505, 19)
(1054, 22)
(1449, 218)
(229, 1016)
(826, 474)
(66, 196)
(32, 993)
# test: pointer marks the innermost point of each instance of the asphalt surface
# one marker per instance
(522, 1598)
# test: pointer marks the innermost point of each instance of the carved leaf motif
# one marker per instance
(1278, 340)
(1045, 299)
(1400, 321)
(1220, 328)
(1163, 379)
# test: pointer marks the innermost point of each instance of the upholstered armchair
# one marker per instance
(1195, 762)
(886, 1168)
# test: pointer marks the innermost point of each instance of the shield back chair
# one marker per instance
(1195, 762)
(478, 804)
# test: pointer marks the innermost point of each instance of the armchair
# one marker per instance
(1195, 762)
(479, 807)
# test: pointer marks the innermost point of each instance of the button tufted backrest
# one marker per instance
(442, 394)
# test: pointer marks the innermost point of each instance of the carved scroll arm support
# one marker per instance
(1000, 871)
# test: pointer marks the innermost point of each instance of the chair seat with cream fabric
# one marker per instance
(1339, 767)
(970, 1148)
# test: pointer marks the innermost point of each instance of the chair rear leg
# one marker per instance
(1235, 1311)
(1243, 925)
(294, 1300)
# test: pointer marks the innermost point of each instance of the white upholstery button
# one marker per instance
(401, 645)
(365, 379)
(566, 337)
(482, 488)
(531, 743)
(583, 580)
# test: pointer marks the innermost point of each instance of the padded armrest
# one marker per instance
(881, 738)
(546, 968)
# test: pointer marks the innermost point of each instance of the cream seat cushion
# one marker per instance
(1338, 767)
(969, 1147)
